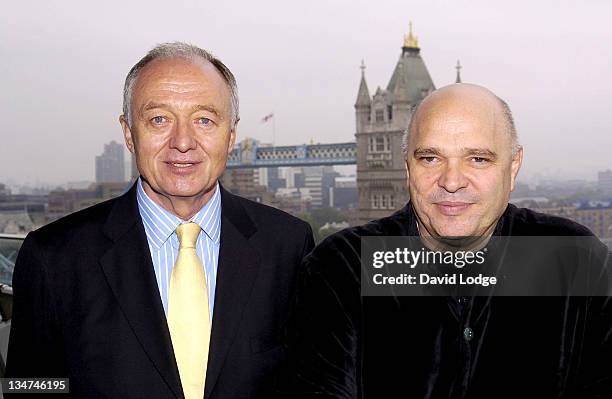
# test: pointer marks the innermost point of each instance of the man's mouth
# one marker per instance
(182, 166)
(450, 208)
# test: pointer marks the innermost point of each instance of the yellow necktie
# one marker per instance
(188, 313)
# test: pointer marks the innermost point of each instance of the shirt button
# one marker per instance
(468, 334)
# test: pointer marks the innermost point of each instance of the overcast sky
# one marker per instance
(63, 64)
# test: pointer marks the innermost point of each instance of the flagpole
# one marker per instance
(273, 134)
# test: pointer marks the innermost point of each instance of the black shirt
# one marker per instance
(345, 345)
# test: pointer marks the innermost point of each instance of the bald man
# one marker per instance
(542, 333)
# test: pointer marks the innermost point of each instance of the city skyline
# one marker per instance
(548, 60)
(345, 170)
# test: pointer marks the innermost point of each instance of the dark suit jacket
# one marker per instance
(87, 305)
(343, 345)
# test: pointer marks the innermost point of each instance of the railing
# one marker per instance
(247, 154)
(9, 248)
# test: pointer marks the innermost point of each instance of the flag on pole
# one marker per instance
(267, 118)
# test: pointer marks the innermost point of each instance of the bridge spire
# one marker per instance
(411, 42)
(458, 68)
(363, 95)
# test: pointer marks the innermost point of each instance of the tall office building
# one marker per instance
(274, 179)
(110, 165)
(313, 181)
(344, 194)
(381, 121)
(4, 191)
(604, 182)
(294, 177)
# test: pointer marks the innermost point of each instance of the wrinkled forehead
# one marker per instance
(456, 122)
(192, 73)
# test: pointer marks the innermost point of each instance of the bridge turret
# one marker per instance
(381, 173)
(363, 105)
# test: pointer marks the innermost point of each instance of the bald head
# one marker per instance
(462, 160)
(460, 100)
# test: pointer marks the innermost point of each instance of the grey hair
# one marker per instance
(507, 113)
(178, 50)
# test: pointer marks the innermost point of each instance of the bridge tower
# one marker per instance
(380, 123)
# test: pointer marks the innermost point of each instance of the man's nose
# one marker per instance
(452, 177)
(183, 136)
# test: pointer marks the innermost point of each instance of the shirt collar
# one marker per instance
(160, 224)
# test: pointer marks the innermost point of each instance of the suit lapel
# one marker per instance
(237, 269)
(129, 271)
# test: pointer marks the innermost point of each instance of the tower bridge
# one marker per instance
(380, 122)
(248, 154)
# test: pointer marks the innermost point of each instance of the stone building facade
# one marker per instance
(381, 120)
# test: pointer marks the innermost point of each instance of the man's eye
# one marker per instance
(429, 159)
(158, 120)
(479, 159)
(204, 121)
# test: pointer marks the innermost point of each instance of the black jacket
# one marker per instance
(87, 305)
(345, 345)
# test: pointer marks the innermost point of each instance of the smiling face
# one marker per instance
(181, 132)
(460, 165)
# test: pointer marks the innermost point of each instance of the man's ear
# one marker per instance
(127, 134)
(517, 161)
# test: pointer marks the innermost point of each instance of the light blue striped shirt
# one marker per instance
(160, 226)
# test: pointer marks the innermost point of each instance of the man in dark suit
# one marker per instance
(544, 332)
(99, 296)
